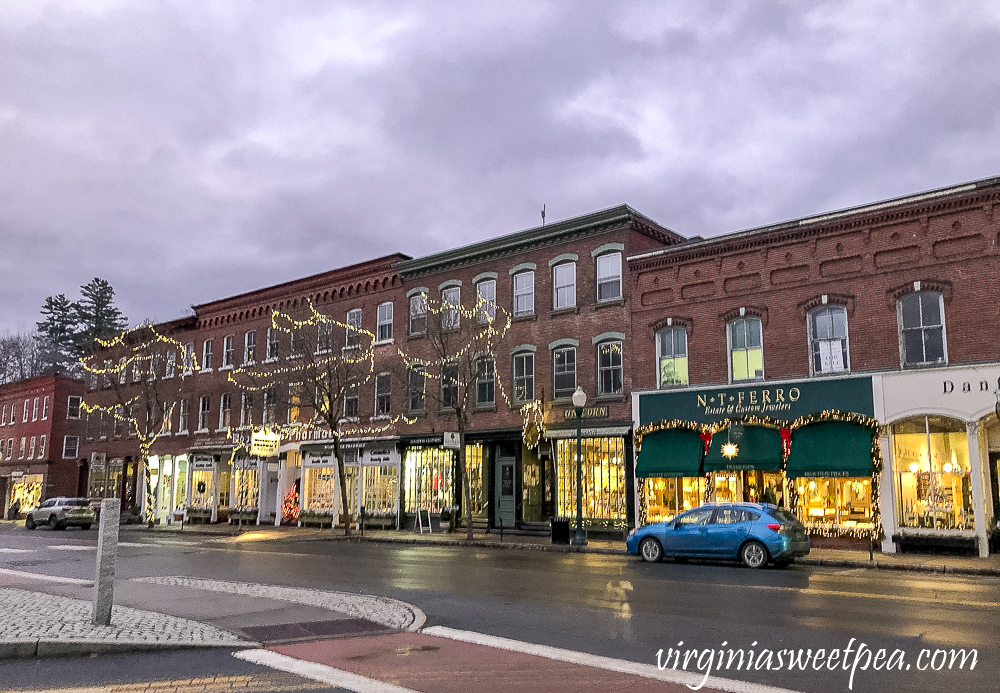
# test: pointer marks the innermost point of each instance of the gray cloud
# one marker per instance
(187, 151)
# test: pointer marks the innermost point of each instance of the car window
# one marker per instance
(77, 502)
(729, 516)
(47, 504)
(784, 516)
(700, 516)
(750, 516)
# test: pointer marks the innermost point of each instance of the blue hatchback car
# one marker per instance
(754, 533)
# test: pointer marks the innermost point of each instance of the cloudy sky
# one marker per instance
(187, 151)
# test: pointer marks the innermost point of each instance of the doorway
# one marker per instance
(505, 489)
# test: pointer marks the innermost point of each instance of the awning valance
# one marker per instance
(673, 452)
(759, 448)
(831, 448)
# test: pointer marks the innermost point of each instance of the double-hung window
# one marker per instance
(524, 376)
(225, 411)
(609, 277)
(45, 408)
(170, 363)
(564, 371)
(672, 356)
(71, 447)
(24, 413)
(73, 407)
(384, 333)
(485, 381)
(921, 329)
(415, 395)
(206, 354)
(449, 385)
(828, 339)
(228, 350)
(324, 338)
(273, 340)
(351, 402)
(383, 392)
(609, 368)
(353, 328)
(246, 409)
(250, 347)
(270, 406)
(203, 412)
(182, 416)
(524, 294)
(746, 351)
(486, 298)
(188, 357)
(451, 304)
(418, 314)
(564, 285)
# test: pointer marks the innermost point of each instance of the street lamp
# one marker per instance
(579, 401)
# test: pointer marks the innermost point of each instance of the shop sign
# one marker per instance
(202, 462)
(16, 474)
(317, 459)
(426, 440)
(264, 443)
(384, 457)
(587, 413)
(968, 393)
(451, 440)
(778, 401)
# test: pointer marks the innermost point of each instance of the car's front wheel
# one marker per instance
(650, 550)
(754, 554)
(29, 522)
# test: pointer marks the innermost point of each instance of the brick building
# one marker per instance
(40, 434)
(567, 292)
(888, 310)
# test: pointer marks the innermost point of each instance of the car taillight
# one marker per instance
(775, 527)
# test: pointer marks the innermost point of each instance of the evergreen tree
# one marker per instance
(57, 334)
(96, 315)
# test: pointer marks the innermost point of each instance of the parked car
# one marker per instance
(60, 513)
(754, 533)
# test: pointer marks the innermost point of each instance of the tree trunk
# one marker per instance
(463, 476)
(342, 478)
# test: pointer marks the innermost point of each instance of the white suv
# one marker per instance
(60, 512)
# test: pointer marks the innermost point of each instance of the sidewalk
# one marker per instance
(960, 565)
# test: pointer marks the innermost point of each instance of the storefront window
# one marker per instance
(180, 484)
(428, 479)
(247, 487)
(201, 488)
(28, 490)
(930, 457)
(381, 490)
(825, 502)
(474, 468)
(320, 492)
(603, 478)
(666, 498)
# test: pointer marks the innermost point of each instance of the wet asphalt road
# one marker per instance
(612, 605)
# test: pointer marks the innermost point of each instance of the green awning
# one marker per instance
(831, 448)
(759, 448)
(673, 452)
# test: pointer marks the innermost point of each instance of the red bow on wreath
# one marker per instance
(786, 441)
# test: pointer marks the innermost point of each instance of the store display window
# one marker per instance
(603, 478)
(825, 502)
(381, 489)
(931, 472)
(428, 479)
(666, 498)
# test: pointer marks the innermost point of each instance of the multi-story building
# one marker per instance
(40, 434)
(567, 292)
(887, 311)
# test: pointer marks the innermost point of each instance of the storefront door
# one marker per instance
(994, 479)
(506, 502)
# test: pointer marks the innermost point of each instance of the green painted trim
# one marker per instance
(608, 337)
(418, 290)
(484, 275)
(563, 343)
(607, 248)
(524, 347)
(565, 257)
(524, 266)
(448, 284)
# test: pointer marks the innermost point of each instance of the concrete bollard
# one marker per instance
(107, 550)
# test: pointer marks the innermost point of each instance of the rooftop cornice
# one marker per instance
(873, 214)
(593, 222)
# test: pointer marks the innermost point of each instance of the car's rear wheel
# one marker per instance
(650, 550)
(29, 523)
(754, 554)
(54, 523)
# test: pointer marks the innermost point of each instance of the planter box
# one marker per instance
(199, 516)
(315, 519)
(237, 516)
(960, 546)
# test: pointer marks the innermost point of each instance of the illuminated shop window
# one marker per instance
(603, 479)
(428, 479)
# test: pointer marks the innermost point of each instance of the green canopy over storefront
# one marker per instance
(830, 448)
(759, 448)
(673, 452)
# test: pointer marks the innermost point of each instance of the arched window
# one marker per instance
(921, 329)
(672, 356)
(746, 350)
(828, 340)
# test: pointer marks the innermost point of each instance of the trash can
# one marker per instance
(560, 531)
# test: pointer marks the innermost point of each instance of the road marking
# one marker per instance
(649, 671)
(16, 550)
(72, 547)
(49, 578)
(869, 595)
(319, 672)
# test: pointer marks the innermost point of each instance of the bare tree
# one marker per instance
(20, 357)
(139, 376)
(310, 383)
(458, 357)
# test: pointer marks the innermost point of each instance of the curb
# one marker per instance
(38, 649)
(901, 567)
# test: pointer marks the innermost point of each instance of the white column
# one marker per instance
(215, 491)
(887, 496)
(261, 472)
(976, 478)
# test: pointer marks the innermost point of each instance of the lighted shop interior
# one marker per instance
(667, 497)
(603, 472)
